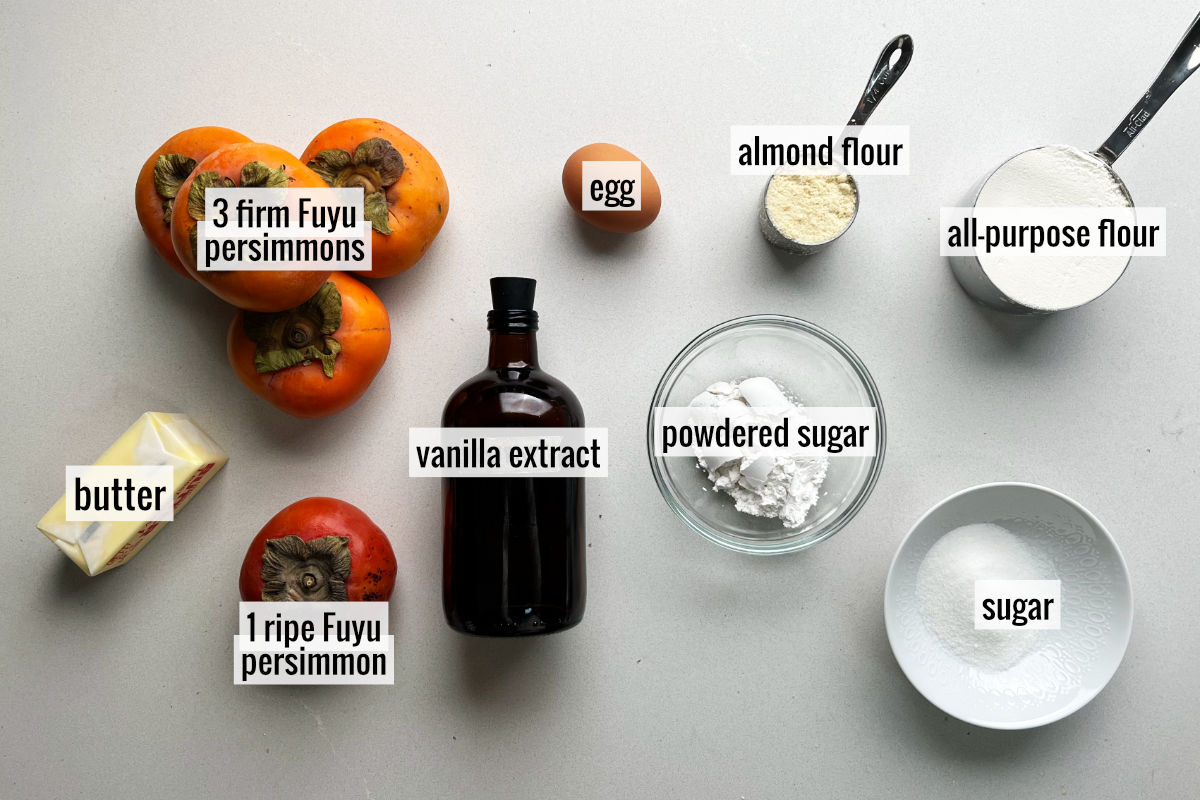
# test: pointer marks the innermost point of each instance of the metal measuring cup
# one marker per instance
(1185, 59)
(888, 69)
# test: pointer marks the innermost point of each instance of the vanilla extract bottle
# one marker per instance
(513, 559)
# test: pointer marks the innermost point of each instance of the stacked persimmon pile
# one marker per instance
(309, 342)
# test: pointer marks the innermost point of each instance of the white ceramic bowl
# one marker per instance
(1071, 665)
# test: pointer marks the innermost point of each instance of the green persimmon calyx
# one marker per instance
(254, 174)
(293, 569)
(299, 335)
(170, 171)
(375, 165)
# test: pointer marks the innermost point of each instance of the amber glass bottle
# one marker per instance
(513, 561)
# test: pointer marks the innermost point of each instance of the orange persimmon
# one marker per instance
(317, 359)
(250, 164)
(319, 549)
(405, 194)
(163, 173)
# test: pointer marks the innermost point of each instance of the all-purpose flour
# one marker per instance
(786, 487)
(1052, 177)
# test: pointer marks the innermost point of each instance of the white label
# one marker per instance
(817, 149)
(507, 452)
(302, 229)
(739, 431)
(313, 643)
(120, 494)
(612, 186)
(1018, 605)
(1067, 231)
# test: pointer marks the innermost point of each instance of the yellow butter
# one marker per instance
(156, 438)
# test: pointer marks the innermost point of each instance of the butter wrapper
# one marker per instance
(157, 438)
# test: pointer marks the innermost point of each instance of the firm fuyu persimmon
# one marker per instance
(404, 191)
(316, 359)
(248, 165)
(161, 176)
(319, 549)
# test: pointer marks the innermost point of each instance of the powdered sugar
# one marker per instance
(785, 487)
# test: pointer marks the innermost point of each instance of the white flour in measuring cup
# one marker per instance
(1052, 176)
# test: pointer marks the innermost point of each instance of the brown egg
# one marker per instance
(616, 219)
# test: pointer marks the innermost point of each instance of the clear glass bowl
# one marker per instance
(814, 367)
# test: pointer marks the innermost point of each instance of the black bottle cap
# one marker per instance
(513, 294)
(512, 305)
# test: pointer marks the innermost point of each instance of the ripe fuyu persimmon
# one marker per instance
(319, 549)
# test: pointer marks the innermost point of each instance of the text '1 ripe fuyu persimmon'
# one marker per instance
(404, 190)
(316, 359)
(319, 549)
(163, 173)
(251, 164)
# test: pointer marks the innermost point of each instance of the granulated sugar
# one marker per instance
(946, 592)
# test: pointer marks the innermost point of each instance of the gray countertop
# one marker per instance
(697, 673)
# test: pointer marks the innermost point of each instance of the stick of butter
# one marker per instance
(156, 438)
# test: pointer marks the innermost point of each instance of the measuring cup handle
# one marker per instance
(1182, 63)
(883, 77)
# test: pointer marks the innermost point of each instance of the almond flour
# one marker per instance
(811, 209)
